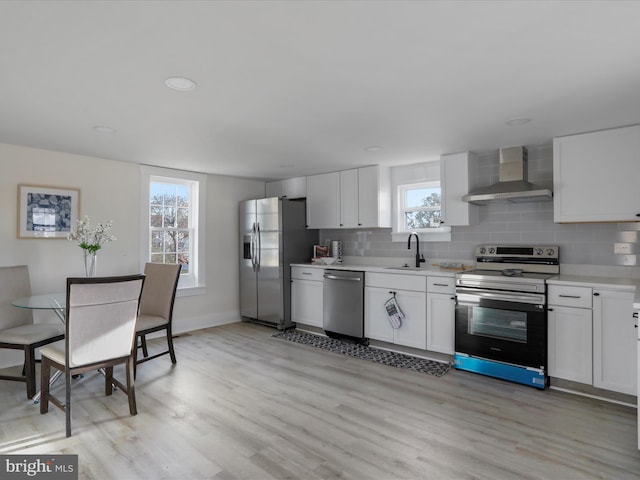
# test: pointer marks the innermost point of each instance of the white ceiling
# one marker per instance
(294, 88)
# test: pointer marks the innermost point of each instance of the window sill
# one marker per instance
(191, 291)
(441, 234)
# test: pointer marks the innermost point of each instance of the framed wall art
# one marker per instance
(47, 212)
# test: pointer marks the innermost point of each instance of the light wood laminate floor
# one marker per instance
(243, 405)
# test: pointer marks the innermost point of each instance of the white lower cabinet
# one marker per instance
(378, 289)
(570, 333)
(570, 344)
(306, 296)
(592, 337)
(441, 309)
(614, 341)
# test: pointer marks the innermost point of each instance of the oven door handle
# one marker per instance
(474, 296)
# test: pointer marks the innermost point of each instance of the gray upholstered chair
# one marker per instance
(17, 330)
(100, 333)
(156, 307)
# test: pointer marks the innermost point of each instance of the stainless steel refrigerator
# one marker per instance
(273, 234)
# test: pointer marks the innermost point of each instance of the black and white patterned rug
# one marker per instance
(392, 359)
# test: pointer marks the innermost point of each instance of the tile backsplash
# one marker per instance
(502, 223)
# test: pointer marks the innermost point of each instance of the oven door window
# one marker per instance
(495, 323)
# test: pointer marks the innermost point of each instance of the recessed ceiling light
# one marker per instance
(373, 148)
(516, 122)
(180, 83)
(104, 129)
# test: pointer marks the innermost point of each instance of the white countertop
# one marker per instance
(428, 270)
(619, 283)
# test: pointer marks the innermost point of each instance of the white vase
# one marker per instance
(90, 260)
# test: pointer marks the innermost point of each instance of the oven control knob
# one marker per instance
(483, 251)
(539, 251)
(550, 252)
(492, 251)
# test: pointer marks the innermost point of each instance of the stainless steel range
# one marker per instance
(501, 313)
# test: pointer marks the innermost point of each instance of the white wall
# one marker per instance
(111, 190)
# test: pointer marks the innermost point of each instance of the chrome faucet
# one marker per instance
(419, 258)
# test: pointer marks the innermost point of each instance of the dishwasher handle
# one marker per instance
(349, 279)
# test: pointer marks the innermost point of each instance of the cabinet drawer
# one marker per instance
(392, 281)
(307, 273)
(570, 296)
(441, 284)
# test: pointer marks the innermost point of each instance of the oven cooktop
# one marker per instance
(512, 267)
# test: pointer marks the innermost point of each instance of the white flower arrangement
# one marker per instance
(90, 238)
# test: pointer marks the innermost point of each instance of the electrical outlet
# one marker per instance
(627, 260)
(628, 236)
(622, 248)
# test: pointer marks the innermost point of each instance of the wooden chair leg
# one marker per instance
(172, 352)
(135, 359)
(131, 392)
(67, 405)
(45, 376)
(108, 380)
(143, 341)
(30, 370)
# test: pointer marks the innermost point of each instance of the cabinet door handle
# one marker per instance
(306, 273)
(550, 309)
(440, 284)
(571, 296)
(596, 294)
(637, 214)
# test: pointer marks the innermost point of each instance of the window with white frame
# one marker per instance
(417, 202)
(419, 206)
(170, 229)
(173, 222)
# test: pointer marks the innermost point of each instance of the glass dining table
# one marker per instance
(50, 301)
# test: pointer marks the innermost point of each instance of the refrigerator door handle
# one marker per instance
(253, 246)
(259, 249)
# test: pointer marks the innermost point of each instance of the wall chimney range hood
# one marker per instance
(512, 185)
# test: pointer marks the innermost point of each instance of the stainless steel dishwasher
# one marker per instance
(343, 304)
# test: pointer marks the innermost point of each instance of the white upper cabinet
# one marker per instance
(349, 198)
(374, 197)
(355, 198)
(595, 176)
(323, 200)
(289, 188)
(457, 177)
